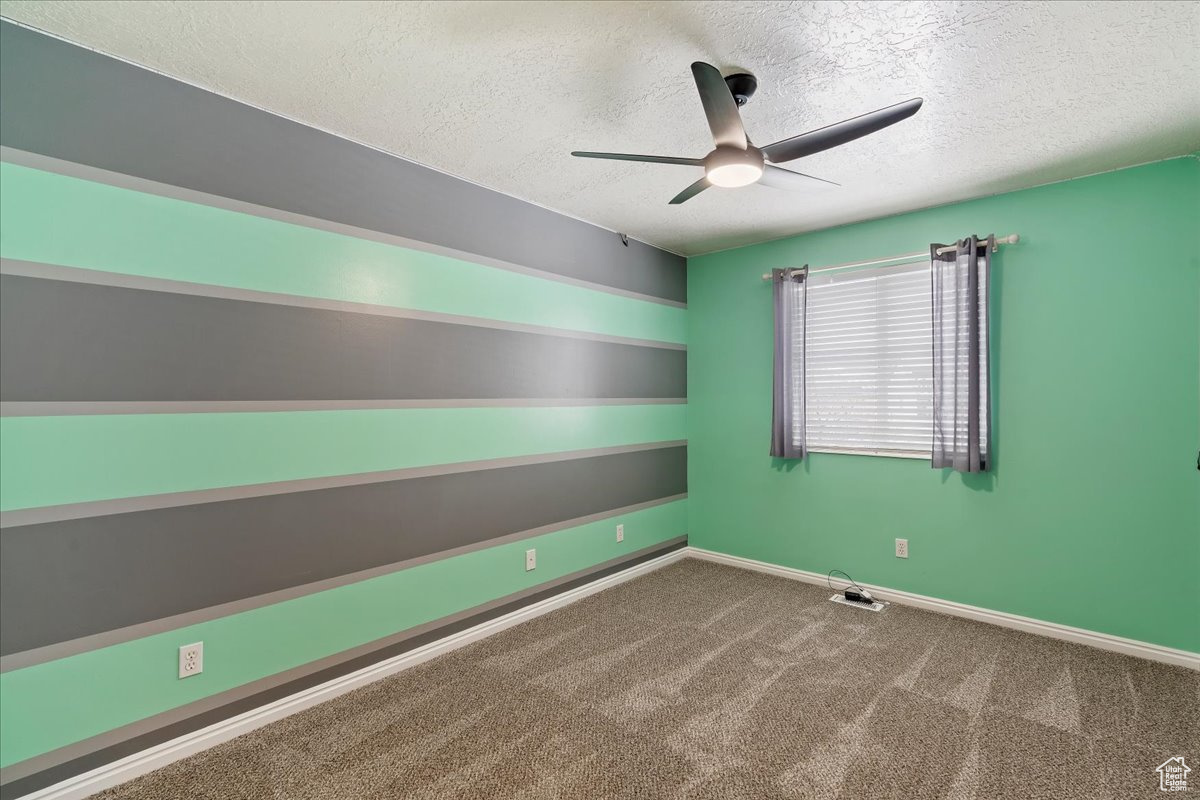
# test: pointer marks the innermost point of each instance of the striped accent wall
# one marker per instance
(284, 394)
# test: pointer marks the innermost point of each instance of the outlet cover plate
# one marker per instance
(902, 548)
(530, 560)
(620, 533)
(191, 659)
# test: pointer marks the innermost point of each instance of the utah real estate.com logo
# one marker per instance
(1172, 775)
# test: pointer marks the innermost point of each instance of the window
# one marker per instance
(869, 361)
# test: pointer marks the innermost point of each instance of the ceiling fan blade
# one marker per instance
(690, 192)
(780, 178)
(840, 132)
(719, 106)
(687, 162)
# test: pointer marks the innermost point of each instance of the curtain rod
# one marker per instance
(1012, 238)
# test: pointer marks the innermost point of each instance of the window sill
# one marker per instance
(847, 451)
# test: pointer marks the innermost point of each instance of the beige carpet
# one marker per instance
(704, 681)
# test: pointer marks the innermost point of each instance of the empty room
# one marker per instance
(533, 400)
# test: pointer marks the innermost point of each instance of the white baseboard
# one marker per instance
(130, 767)
(1103, 641)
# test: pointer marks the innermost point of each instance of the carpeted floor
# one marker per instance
(704, 681)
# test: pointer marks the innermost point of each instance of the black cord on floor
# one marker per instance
(864, 595)
(829, 582)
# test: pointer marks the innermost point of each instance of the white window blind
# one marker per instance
(869, 361)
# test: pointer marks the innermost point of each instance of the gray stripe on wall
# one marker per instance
(108, 746)
(69, 409)
(56, 579)
(77, 105)
(66, 341)
(123, 505)
(52, 652)
(33, 269)
(88, 173)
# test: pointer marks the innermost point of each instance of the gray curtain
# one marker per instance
(787, 406)
(962, 407)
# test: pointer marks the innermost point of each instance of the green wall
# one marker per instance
(55, 460)
(60, 458)
(1091, 517)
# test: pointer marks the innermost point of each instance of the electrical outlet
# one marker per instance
(191, 659)
(620, 533)
(530, 560)
(902, 548)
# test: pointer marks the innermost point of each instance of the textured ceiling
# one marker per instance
(1016, 94)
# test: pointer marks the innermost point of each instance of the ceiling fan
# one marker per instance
(735, 161)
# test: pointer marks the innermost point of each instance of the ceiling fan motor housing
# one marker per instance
(742, 86)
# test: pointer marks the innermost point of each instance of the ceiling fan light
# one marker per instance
(731, 167)
(730, 176)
